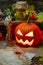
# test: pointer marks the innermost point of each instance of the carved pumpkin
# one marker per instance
(28, 34)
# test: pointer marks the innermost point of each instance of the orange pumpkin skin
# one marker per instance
(25, 29)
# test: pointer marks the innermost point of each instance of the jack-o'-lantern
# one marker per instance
(28, 34)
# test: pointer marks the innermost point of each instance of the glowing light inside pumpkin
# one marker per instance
(19, 32)
(24, 42)
(30, 34)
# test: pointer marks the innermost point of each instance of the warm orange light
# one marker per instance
(24, 42)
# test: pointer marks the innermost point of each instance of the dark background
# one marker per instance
(7, 3)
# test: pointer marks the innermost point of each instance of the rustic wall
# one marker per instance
(7, 3)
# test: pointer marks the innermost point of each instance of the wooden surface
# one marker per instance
(36, 50)
(13, 56)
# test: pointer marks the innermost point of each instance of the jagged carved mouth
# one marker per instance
(25, 42)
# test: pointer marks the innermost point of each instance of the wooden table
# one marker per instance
(36, 50)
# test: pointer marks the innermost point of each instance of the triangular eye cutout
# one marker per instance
(30, 34)
(19, 32)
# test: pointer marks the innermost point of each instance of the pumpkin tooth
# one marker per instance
(25, 42)
(21, 40)
(30, 43)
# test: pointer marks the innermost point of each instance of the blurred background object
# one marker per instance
(20, 11)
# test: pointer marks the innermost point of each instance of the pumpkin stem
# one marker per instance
(28, 20)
